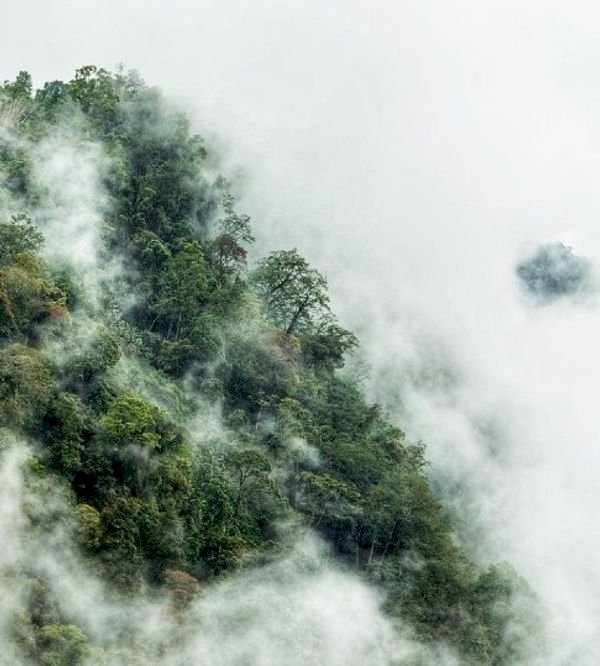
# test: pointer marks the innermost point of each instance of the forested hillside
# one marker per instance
(181, 416)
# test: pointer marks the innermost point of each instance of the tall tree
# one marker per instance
(295, 294)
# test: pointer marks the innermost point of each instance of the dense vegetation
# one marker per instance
(190, 409)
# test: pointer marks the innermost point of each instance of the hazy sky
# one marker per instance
(416, 151)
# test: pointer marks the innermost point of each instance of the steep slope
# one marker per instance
(182, 420)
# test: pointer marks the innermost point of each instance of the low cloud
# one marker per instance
(555, 271)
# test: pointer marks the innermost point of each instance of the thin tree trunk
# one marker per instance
(372, 549)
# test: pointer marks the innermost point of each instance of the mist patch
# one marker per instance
(554, 272)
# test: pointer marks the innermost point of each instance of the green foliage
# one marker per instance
(20, 88)
(61, 645)
(64, 425)
(93, 357)
(15, 100)
(89, 526)
(132, 421)
(296, 300)
(233, 232)
(253, 488)
(27, 300)
(15, 168)
(25, 386)
(49, 101)
(256, 372)
(17, 236)
(510, 614)
(181, 291)
(295, 294)
(94, 90)
(294, 420)
(323, 496)
(228, 531)
(327, 346)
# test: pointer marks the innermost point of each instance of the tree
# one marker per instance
(20, 87)
(88, 526)
(182, 289)
(64, 424)
(94, 89)
(120, 521)
(61, 645)
(97, 356)
(294, 420)
(150, 251)
(227, 255)
(137, 433)
(25, 386)
(49, 99)
(296, 300)
(295, 294)
(234, 224)
(15, 99)
(18, 235)
(326, 347)
(131, 420)
(322, 496)
(226, 249)
(255, 371)
(27, 300)
(218, 541)
(182, 586)
(250, 471)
